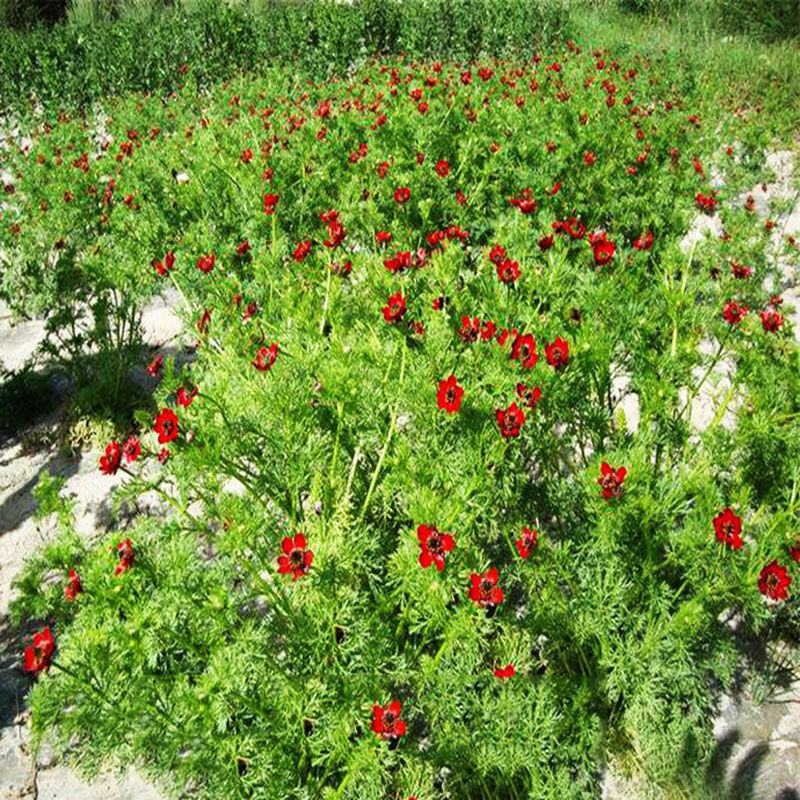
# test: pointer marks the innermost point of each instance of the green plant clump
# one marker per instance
(413, 542)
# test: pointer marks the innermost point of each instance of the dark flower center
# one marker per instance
(296, 557)
(772, 581)
(388, 719)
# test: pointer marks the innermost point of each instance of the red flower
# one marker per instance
(270, 201)
(163, 455)
(73, 587)
(246, 156)
(265, 357)
(508, 671)
(383, 237)
(546, 242)
(442, 168)
(525, 202)
(449, 395)
(733, 312)
(162, 268)
(771, 320)
(386, 721)
(154, 367)
(557, 353)
(510, 420)
(602, 248)
(402, 194)
(243, 249)
(728, 528)
(589, 158)
(301, 251)
(204, 322)
(611, 480)
(399, 262)
(470, 329)
(508, 271)
(383, 169)
(38, 656)
(126, 556)
(483, 589)
(497, 255)
(530, 395)
(524, 350)
(707, 203)
(296, 558)
(166, 426)
(434, 546)
(644, 242)
(774, 581)
(740, 271)
(185, 397)
(206, 263)
(110, 461)
(526, 543)
(572, 227)
(395, 309)
(131, 448)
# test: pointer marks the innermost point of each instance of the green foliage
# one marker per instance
(205, 662)
(98, 54)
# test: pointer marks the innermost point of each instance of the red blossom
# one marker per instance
(434, 546)
(728, 529)
(508, 271)
(112, 458)
(296, 558)
(386, 721)
(602, 248)
(483, 589)
(402, 194)
(131, 448)
(395, 308)
(206, 263)
(302, 250)
(611, 481)
(185, 397)
(265, 357)
(270, 201)
(126, 556)
(154, 367)
(530, 395)
(774, 581)
(644, 242)
(771, 320)
(524, 350)
(734, 312)
(557, 353)
(73, 587)
(506, 672)
(510, 421)
(166, 426)
(449, 395)
(38, 656)
(526, 543)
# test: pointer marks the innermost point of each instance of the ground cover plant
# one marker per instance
(411, 544)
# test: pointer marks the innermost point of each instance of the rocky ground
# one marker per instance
(758, 744)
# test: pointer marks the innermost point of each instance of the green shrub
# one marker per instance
(102, 53)
(191, 647)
